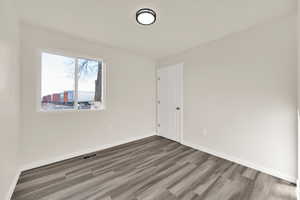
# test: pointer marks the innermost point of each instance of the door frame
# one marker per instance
(181, 65)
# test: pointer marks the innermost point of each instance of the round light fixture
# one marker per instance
(145, 16)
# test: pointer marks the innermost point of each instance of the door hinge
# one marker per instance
(158, 125)
(158, 102)
(158, 78)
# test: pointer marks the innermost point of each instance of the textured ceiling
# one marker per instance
(181, 24)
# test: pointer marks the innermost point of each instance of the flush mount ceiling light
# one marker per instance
(145, 16)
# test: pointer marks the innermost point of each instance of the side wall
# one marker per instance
(9, 98)
(240, 97)
(130, 102)
(298, 90)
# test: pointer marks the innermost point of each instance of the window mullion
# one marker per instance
(76, 84)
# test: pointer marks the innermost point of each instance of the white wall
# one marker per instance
(298, 90)
(240, 96)
(9, 97)
(130, 111)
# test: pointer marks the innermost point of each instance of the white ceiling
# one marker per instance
(181, 24)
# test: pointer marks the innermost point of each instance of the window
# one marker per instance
(70, 83)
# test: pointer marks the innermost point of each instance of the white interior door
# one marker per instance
(169, 103)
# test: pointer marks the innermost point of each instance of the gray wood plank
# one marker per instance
(153, 168)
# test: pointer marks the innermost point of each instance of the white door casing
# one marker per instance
(170, 102)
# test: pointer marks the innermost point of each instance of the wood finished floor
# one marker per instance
(153, 168)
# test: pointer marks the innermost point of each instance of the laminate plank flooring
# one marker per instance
(153, 168)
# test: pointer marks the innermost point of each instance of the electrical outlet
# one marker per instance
(204, 131)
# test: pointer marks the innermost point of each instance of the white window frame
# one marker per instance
(75, 57)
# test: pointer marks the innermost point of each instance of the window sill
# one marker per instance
(70, 110)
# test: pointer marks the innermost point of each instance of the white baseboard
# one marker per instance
(13, 185)
(298, 189)
(81, 152)
(269, 171)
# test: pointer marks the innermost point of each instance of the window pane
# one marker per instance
(58, 82)
(89, 84)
